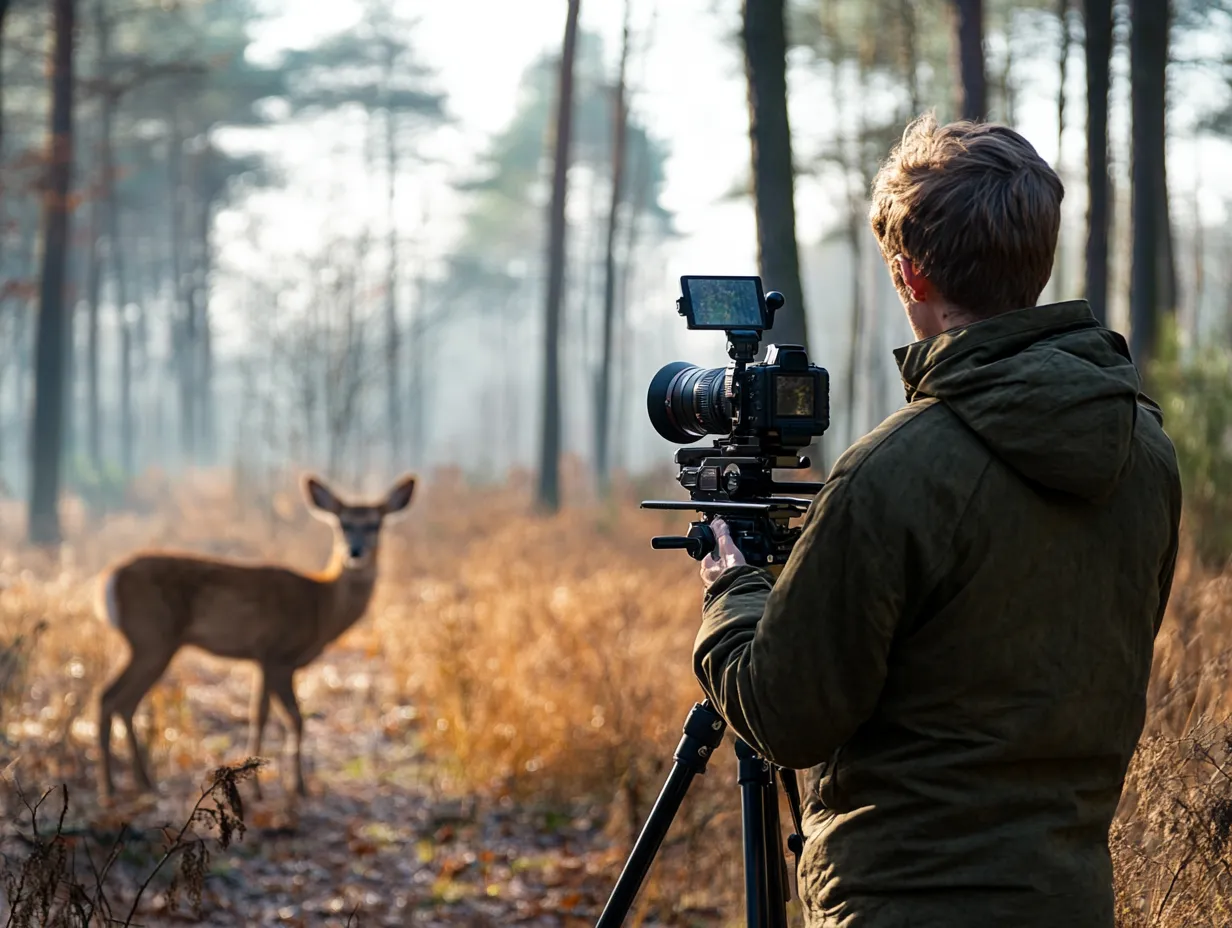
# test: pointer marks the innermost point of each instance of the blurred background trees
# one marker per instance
(494, 298)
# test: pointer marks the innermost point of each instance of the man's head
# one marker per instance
(967, 216)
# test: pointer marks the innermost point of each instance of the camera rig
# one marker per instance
(765, 412)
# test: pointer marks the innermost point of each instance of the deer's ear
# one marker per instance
(399, 497)
(320, 497)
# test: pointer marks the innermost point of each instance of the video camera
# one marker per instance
(767, 412)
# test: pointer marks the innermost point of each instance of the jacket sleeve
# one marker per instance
(1169, 569)
(795, 666)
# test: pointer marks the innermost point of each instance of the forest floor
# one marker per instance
(374, 843)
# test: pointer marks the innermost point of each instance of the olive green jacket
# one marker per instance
(960, 643)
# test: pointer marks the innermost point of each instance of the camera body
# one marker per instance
(784, 400)
(765, 412)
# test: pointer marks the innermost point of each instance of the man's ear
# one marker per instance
(916, 283)
(399, 497)
(320, 497)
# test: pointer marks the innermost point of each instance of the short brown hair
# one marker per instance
(975, 209)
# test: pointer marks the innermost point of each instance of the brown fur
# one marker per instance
(275, 616)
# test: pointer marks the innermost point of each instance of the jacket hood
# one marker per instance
(1049, 391)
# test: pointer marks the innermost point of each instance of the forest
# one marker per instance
(243, 241)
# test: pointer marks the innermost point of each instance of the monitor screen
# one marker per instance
(725, 302)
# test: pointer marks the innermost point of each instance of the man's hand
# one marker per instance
(725, 554)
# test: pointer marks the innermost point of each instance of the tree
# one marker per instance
(491, 266)
(505, 215)
(5, 6)
(1058, 273)
(969, 36)
(52, 350)
(98, 223)
(1152, 278)
(211, 83)
(375, 67)
(1097, 43)
(861, 57)
(110, 85)
(620, 124)
(549, 446)
(764, 38)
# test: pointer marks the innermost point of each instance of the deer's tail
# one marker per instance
(105, 605)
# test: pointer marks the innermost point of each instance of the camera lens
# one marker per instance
(686, 402)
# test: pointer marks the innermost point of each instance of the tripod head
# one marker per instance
(736, 482)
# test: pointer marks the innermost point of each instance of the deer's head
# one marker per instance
(357, 528)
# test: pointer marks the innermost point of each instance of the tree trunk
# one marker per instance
(94, 262)
(23, 362)
(5, 5)
(911, 55)
(1150, 274)
(204, 371)
(4, 12)
(393, 374)
(115, 249)
(856, 215)
(1194, 327)
(1098, 50)
(99, 223)
(1059, 264)
(184, 318)
(1005, 81)
(854, 228)
(603, 409)
(128, 437)
(764, 37)
(549, 446)
(50, 371)
(969, 40)
(416, 358)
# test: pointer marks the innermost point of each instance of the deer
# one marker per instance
(279, 618)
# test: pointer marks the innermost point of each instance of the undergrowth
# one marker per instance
(62, 881)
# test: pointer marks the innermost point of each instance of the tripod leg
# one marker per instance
(703, 732)
(777, 887)
(791, 788)
(754, 773)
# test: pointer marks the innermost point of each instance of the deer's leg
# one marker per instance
(258, 715)
(106, 713)
(280, 684)
(122, 697)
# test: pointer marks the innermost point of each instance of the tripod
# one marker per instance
(765, 868)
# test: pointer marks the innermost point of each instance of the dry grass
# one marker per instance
(1172, 841)
(548, 660)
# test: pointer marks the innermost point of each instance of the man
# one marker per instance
(960, 643)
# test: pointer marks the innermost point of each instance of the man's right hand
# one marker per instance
(724, 555)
